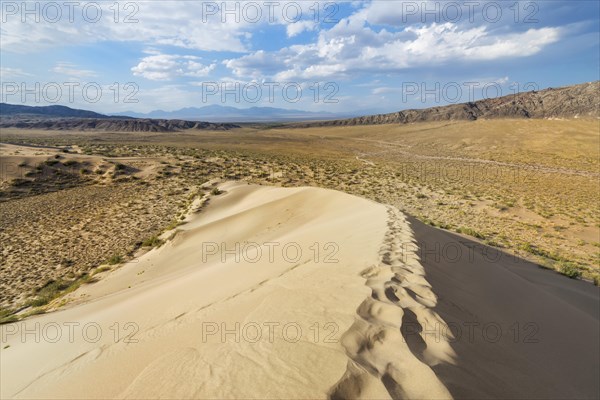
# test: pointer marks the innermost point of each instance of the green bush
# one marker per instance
(570, 270)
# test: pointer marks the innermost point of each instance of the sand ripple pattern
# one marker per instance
(387, 344)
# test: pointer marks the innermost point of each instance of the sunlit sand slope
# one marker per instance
(268, 293)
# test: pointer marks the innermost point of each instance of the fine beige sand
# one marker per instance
(311, 304)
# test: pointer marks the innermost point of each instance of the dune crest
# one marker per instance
(386, 340)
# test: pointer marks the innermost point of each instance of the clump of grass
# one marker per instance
(470, 232)
(569, 269)
(174, 224)
(7, 316)
(114, 259)
(35, 311)
(493, 243)
(528, 247)
(216, 192)
(49, 292)
(56, 288)
(153, 241)
(101, 269)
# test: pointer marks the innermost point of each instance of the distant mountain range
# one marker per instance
(568, 102)
(212, 113)
(66, 118)
(217, 113)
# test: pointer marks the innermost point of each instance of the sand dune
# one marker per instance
(308, 293)
(272, 324)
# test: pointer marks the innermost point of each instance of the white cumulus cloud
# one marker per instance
(165, 67)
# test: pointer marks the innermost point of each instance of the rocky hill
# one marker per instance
(11, 110)
(109, 124)
(66, 118)
(579, 101)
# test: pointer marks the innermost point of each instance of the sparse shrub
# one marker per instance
(49, 292)
(493, 243)
(114, 259)
(216, 192)
(7, 316)
(173, 225)
(470, 232)
(101, 269)
(570, 270)
(6, 319)
(153, 241)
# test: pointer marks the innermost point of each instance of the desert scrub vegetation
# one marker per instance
(54, 289)
(7, 316)
(470, 232)
(153, 241)
(114, 259)
(101, 269)
(570, 270)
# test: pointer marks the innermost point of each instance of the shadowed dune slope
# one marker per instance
(535, 333)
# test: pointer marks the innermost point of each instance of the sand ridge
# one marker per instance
(385, 343)
(188, 326)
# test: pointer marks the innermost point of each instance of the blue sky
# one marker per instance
(377, 56)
